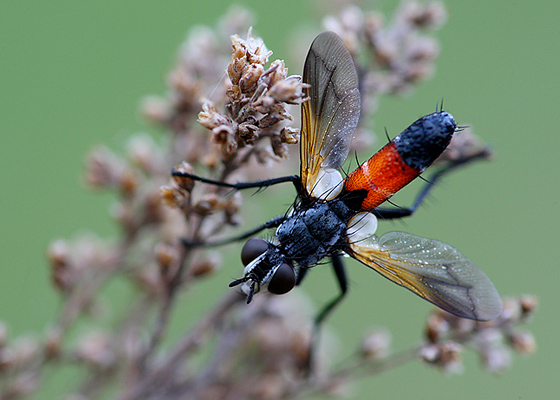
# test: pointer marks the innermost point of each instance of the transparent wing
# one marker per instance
(330, 116)
(433, 270)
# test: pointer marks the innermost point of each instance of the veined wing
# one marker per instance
(433, 270)
(330, 116)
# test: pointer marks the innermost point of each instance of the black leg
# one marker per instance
(302, 272)
(338, 268)
(391, 213)
(273, 223)
(244, 185)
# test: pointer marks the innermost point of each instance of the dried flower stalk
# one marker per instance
(261, 350)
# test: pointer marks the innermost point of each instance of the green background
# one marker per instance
(72, 75)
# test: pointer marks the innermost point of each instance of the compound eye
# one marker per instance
(283, 280)
(252, 249)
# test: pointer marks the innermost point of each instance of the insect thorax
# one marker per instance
(312, 232)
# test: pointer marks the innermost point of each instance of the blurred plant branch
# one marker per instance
(231, 126)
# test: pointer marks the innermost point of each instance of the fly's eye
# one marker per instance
(252, 249)
(283, 280)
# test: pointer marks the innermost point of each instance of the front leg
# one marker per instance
(243, 185)
(273, 223)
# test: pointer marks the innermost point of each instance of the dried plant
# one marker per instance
(228, 127)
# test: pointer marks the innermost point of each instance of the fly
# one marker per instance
(334, 216)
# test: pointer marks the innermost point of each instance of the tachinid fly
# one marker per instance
(333, 215)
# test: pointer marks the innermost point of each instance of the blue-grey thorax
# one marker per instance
(313, 232)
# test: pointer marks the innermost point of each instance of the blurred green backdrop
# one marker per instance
(72, 75)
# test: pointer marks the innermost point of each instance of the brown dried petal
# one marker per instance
(208, 204)
(253, 48)
(425, 16)
(225, 137)
(210, 118)
(250, 77)
(269, 120)
(289, 90)
(278, 148)
(528, 304)
(264, 104)
(248, 132)
(166, 255)
(206, 266)
(103, 168)
(276, 72)
(289, 135)
(436, 327)
(171, 196)
(237, 65)
(182, 182)
(523, 342)
(374, 23)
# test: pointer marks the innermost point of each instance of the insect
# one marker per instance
(333, 216)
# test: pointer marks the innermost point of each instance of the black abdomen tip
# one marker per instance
(423, 141)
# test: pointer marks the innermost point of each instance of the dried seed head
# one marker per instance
(103, 168)
(376, 344)
(250, 77)
(208, 204)
(374, 22)
(183, 182)
(224, 136)
(276, 72)
(444, 355)
(128, 183)
(278, 147)
(166, 255)
(53, 343)
(269, 120)
(156, 109)
(523, 342)
(252, 48)
(496, 358)
(96, 349)
(248, 132)
(20, 353)
(207, 265)
(173, 196)
(210, 118)
(231, 208)
(143, 152)
(436, 327)
(289, 135)
(348, 25)
(528, 304)
(425, 16)
(211, 159)
(511, 311)
(58, 256)
(236, 66)
(289, 90)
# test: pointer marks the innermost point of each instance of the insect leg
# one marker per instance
(295, 179)
(338, 268)
(273, 223)
(301, 273)
(391, 213)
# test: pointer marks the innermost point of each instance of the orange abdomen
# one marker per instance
(381, 176)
